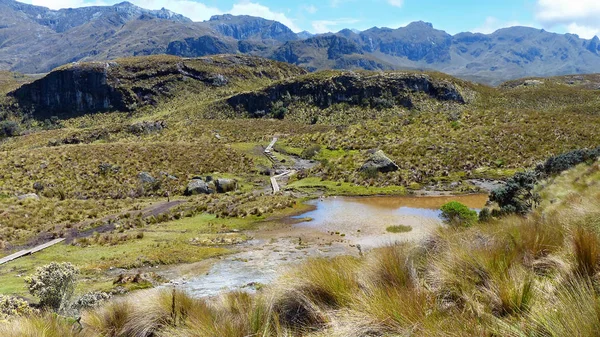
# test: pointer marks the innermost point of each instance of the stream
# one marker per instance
(336, 226)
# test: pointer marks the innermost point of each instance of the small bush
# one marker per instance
(9, 129)
(456, 214)
(485, 215)
(310, 152)
(517, 195)
(53, 284)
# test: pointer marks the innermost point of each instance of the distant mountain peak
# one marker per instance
(420, 25)
(222, 17)
(124, 4)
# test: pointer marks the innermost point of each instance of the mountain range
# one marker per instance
(36, 39)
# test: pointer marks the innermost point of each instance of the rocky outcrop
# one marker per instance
(146, 178)
(201, 46)
(250, 28)
(388, 89)
(70, 92)
(197, 186)
(147, 127)
(332, 46)
(379, 162)
(124, 85)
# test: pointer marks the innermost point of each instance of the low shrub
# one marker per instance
(53, 284)
(456, 214)
(13, 307)
(517, 195)
(399, 229)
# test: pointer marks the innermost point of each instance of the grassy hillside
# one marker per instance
(495, 278)
(439, 130)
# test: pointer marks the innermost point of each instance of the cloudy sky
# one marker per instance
(320, 16)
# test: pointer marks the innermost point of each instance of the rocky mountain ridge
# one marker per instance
(35, 39)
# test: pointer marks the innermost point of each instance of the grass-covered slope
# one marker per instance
(211, 115)
(516, 276)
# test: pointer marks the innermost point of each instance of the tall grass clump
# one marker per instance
(47, 325)
(586, 251)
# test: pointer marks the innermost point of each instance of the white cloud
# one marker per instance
(256, 9)
(492, 24)
(585, 32)
(577, 16)
(310, 9)
(326, 26)
(396, 3)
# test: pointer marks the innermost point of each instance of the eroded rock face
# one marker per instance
(124, 85)
(70, 92)
(380, 162)
(351, 88)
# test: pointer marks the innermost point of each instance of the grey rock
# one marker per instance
(38, 186)
(31, 196)
(147, 127)
(168, 176)
(533, 83)
(380, 162)
(146, 178)
(198, 186)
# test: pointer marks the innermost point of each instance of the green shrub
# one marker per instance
(565, 161)
(485, 215)
(53, 284)
(9, 129)
(456, 214)
(310, 152)
(517, 195)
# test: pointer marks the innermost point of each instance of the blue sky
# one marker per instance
(320, 16)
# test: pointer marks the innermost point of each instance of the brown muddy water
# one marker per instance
(336, 226)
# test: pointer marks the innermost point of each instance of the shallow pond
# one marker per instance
(337, 226)
(364, 220)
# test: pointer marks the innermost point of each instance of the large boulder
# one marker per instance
(146, 178)
(198, 186)
(226, 185)
(380, 162)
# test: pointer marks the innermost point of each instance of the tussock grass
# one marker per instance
(398, 229)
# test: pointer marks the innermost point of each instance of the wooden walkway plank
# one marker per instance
(276, 162)
(33, 250)
(46, 245)
(13, 256)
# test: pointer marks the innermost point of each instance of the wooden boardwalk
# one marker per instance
(26, 252)
(276, 164)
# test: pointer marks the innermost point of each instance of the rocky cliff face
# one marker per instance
(387, 89)
(201, 46)
(126, 84)
(71, 92)
(251, 28)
